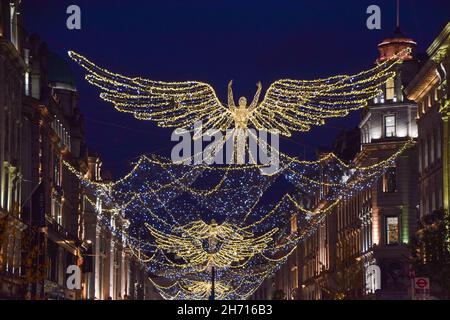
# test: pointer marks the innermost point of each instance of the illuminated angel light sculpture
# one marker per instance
(212, 245)
(287, 106)
(253, 240)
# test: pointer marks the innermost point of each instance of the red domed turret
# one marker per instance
(392, 46)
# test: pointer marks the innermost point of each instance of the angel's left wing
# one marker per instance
(188, 248)
(296, 105)
(170, 104)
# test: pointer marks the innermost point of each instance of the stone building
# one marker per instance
(46, 223)
(388, 214)
(110, 269)
(52, 133)
(12, 226)
(39, 126)
(430, 90)
(360, 249)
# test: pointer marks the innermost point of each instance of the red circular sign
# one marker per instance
(421, 283)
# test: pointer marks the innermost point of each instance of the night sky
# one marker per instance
(216, 41)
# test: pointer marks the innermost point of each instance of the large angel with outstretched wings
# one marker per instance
(211, 245)
(287, 106)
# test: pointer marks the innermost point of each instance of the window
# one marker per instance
(99, 205)
(27, 84)
(56, 209)
(390, 180)
(373, 278)
(390, 89)
(13, 25)
(433, 201)
(432, 147)
(57, 171)
(1, 24)
(62, 133)
(6, 189)
(389, 126)
(430, 203)
(36, 86)
(392, 230)
(27, 73)
(294, 271)
(438, 142)
(113, 222)
(294, 223)
(429, 148)
(420, 156)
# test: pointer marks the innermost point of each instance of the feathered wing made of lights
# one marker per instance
(232, 244)
(288, 105)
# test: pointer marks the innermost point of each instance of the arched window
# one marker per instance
(14, 36)
(390, 89)
(2, 19)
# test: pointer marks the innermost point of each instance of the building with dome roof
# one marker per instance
(358, 251)
(363, 248)
(394, 45)
(52, 132)
(60, 75)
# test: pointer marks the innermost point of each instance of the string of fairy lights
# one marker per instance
(173, 231)
(189, 220)
(161, 260)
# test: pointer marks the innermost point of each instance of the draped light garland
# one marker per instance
(184, 219)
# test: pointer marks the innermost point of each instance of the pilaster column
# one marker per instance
(112, 270)
(98, 274)
(445, 110)
(446, 158)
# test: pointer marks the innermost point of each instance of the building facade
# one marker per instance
(12, 226)
(46, 223)
(361, 249)
(51, 132)
(110, 269)
(430, 90)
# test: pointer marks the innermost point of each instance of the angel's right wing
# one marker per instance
(170, 104)
(297, 105)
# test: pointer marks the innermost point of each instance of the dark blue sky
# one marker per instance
(215, 41)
